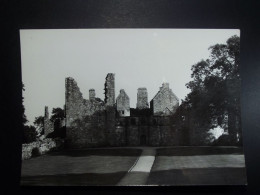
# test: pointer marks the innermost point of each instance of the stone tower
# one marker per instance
(142, 98)
(92, 94)
(48, 126)
(110, 90)
(46, 112)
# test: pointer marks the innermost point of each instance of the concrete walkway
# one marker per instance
(139, 172)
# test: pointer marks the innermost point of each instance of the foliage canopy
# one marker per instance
(214, 99)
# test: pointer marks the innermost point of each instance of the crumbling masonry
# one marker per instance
(48, 126)
(94, 122)
(98, 123)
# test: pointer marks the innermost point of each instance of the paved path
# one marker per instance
(139, 172)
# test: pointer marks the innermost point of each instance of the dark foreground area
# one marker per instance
(137, 166)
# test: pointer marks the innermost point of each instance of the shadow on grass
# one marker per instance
(191, 151)
(205, 176)
(86, 179)
(98, 152)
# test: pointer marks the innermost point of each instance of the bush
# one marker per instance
(35, 152)
(227, 140)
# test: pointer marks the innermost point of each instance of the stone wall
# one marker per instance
(94, 123)
(88, 132)
(78, 111)
(41, 147)
(170, 136)
(91, 123)
(155, 135)
(76, 106)
(118, 136)
(142, 98)
(148, 131)
(110, 125)
(133, 133)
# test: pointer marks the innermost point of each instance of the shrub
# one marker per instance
(35, 152)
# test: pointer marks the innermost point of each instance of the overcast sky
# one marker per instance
(138, 57)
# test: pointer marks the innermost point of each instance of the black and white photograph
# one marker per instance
(131, 107)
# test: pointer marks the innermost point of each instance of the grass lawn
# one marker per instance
(84, 179)
(79, 167)
(175, 166)
(197, 176)
(198, 166)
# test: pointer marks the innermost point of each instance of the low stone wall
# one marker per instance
(41, 147)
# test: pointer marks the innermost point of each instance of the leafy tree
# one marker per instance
(29, 134)
(57, 113)
(38, 122)
(26, 138)
(57, 117)
(29, 131)
(24, 118)
(214, 99)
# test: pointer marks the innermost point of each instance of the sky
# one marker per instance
(138, 57)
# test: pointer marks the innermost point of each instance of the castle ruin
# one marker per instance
(98, 123)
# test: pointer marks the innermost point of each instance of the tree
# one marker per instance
(39, 122)
(214, 99)
(57, 117)
(29, 134)
(57, 113)
(24, 118)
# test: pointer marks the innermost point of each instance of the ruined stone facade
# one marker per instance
(110, 123)
(85, 121)
(76, 106)
(165, 102)
(97, 123)
(48, 126)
